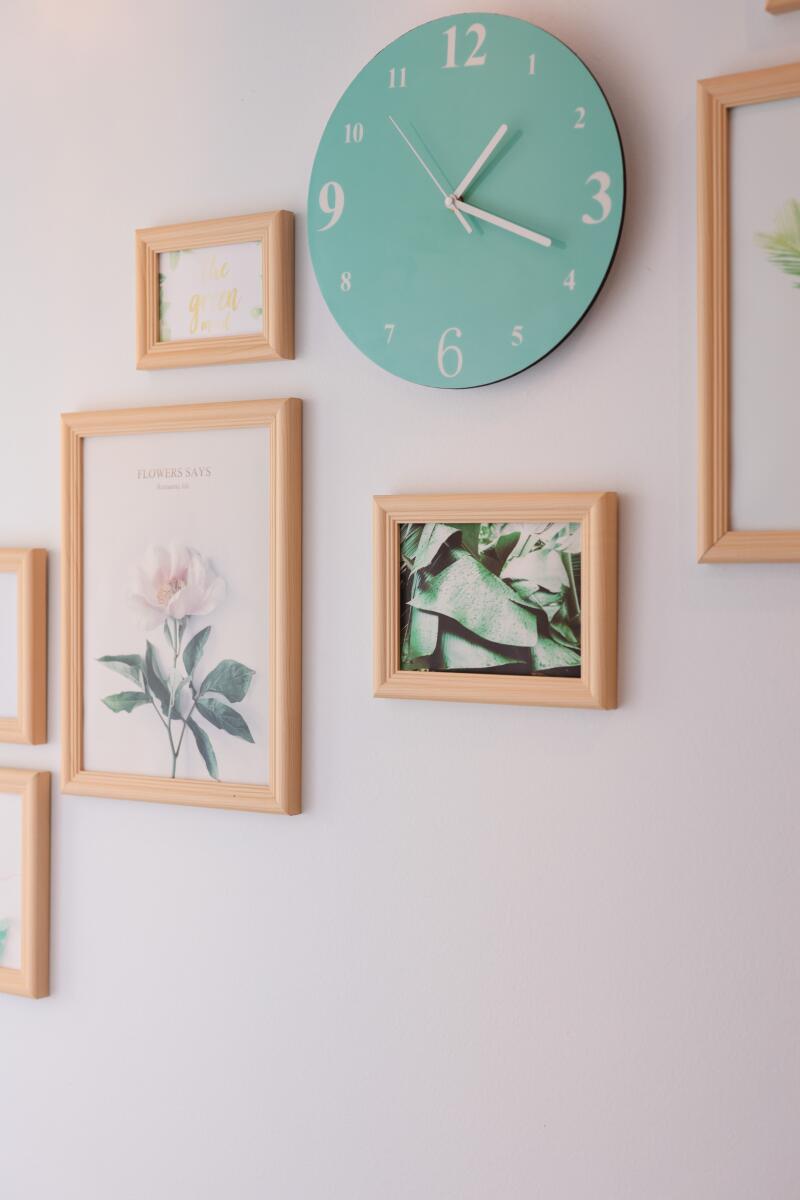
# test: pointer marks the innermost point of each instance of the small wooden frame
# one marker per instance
(29, 722)
(717, 541)
(32, 978)
(274, 231)
(597, 514)
(282, 419)
(781, 6)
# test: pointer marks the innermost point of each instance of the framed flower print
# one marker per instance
(24, 882)
(218, 291)
(23, 646)
(181, 604)
(507, 599)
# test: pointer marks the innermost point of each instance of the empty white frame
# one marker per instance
(23, 646)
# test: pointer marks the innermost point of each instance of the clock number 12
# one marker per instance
(474, 59)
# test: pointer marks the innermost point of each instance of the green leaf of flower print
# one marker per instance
(783, 246)
(155, 679)
(257, 312)
(224, 717)
(4, 928)
(174, 259)
(194, 651)
(206, 749)
(230, 679)
(125, 701)
(129, 665)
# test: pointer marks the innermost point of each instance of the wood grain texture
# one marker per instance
(782, 6)
(275, 232)
(29, 724)
(284, 420)
(33, 977)
(716, 542)
(597, 685)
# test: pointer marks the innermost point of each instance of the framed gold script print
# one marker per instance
(23, 646)
(181, 604)
(508, 599)
(217, 291)
(24, 882)
(748, 311)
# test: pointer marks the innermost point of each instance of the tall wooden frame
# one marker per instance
(283, 419)
(717, 541)
(29, 723)
(275, 232)
(597, 513)
(33, 977)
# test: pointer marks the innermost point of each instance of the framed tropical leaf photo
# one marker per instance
(181, 603)
(500, 598)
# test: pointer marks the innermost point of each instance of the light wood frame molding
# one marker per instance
(29, 723)
(275, 232)
(776, 7)
(33, 977)
(283, 418)
(717, 541)
(597, 513)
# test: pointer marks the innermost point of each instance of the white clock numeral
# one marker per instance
(389, 332)
(444, 350)
(532, 61)
(346, 282)
(569, 282)
(475, 59)
(602, 197)
(397, 78)
(354, 133)
(580, 113)
(334, 207)
(516, 336)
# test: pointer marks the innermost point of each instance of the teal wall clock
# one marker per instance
(466, 200)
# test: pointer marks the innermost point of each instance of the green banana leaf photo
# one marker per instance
(501, 598)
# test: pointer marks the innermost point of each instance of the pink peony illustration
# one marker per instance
(174, 581)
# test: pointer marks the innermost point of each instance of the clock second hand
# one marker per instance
(453, 203)
(422, 163)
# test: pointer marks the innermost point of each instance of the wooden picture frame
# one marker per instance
(718, 542)
(776, 7)
(274, 232)
(32, 977)
(282, 621)
(29, 723)
(596, 512)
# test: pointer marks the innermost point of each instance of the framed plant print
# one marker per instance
(748, 310)
(507, 599)
(23, 646)
(217, 291)
(182, 604)
(24, 882)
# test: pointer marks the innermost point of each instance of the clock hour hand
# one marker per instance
(511, 226)
(425, 166)
(479, 161)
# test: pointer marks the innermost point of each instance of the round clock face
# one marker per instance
(466, 200)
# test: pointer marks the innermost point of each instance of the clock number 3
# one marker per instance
(443, 350)
(475, 59)
(331, 202)
(602, 197)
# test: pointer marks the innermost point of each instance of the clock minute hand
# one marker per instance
(501, 222)
(479, 161)
(425, 166)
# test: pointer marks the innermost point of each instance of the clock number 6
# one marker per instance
(331, 201)
(443, 350)
(602, 197)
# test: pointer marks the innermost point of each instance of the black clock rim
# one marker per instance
(471, 387)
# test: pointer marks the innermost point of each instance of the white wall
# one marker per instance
(505, 952)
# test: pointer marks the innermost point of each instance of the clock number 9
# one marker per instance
(602, 197)
(331, 201)
(444, 350)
